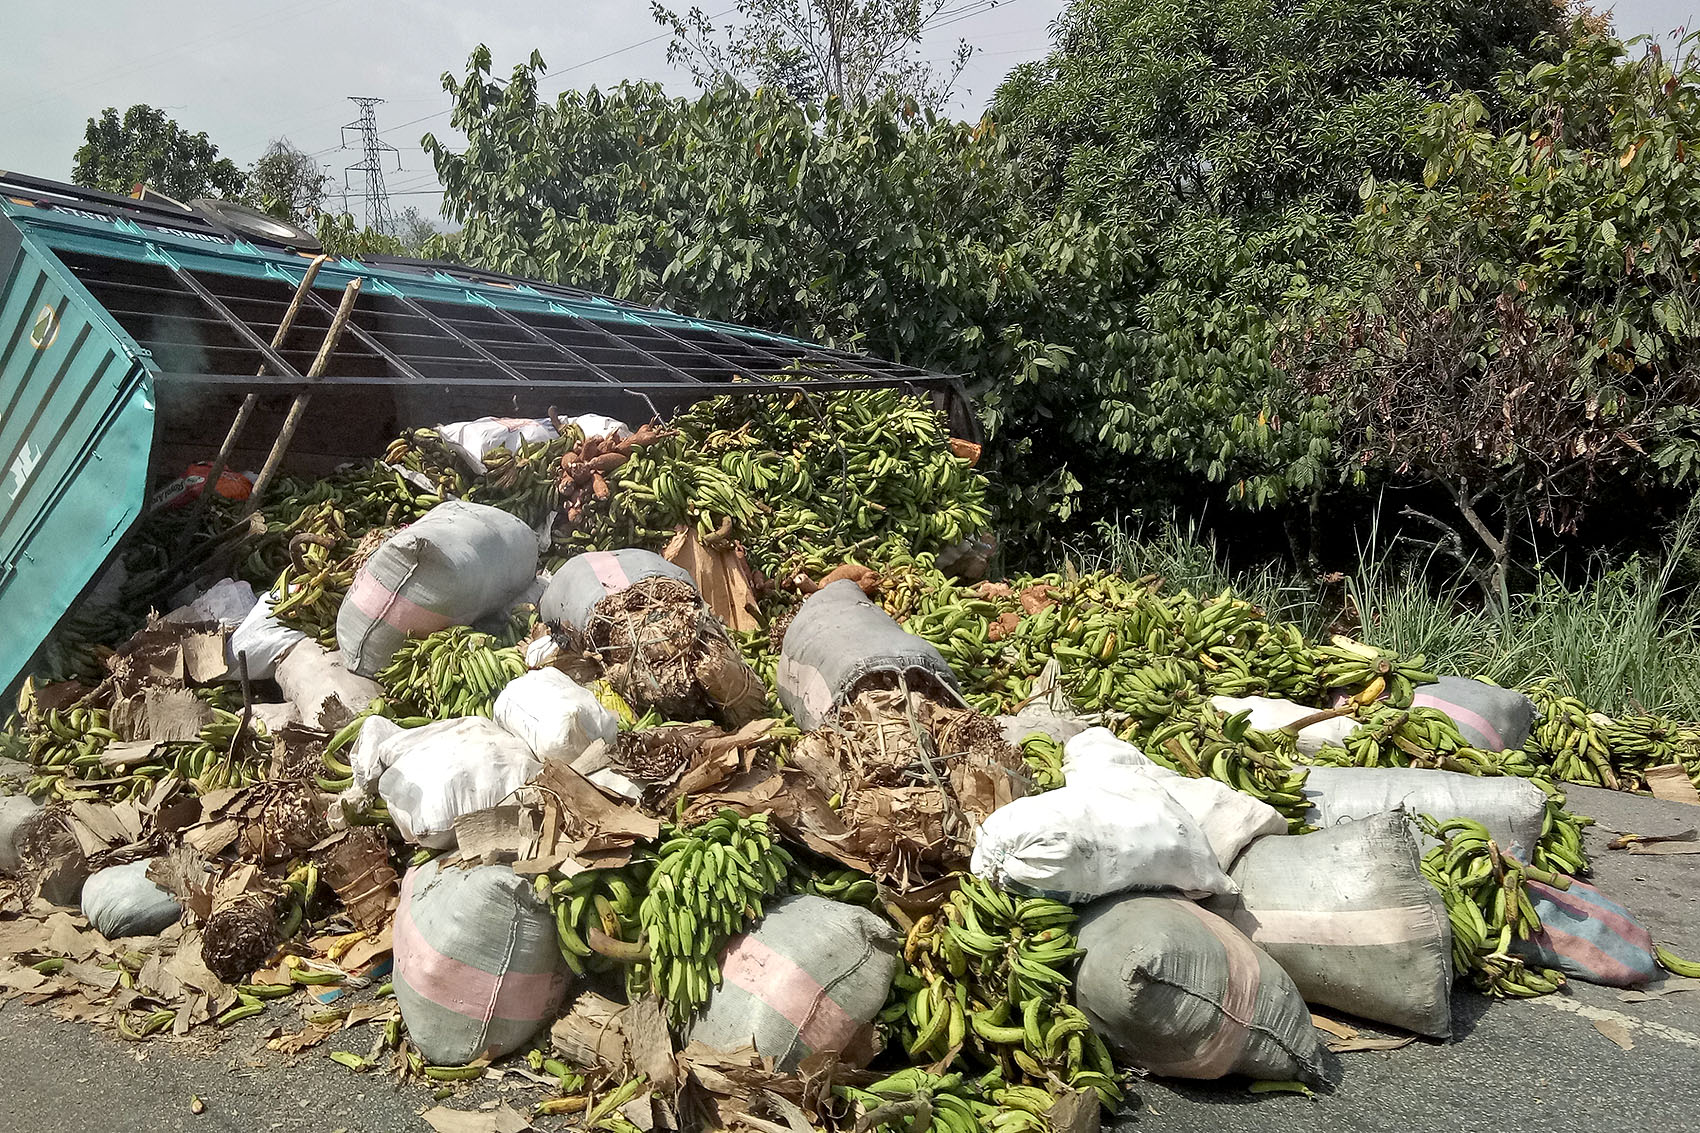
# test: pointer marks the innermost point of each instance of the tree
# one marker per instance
(148, 147)
(416, 235)
(812, 49)
(287, 183)
(1232, 135)
(1149, 108)
(415, 231)
(1525, 339)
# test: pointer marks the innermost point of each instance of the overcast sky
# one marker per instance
(247, 71)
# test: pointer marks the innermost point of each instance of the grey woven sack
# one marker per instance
(837, 639)
(459, 563)
(477, 962)
(584, 580)
(1489, 717)
(1181, 992)
(1512, 809)
(15, 811)
(120, 901)
(1347, 913)
(810, 978)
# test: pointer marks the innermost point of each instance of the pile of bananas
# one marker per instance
(1487, 901)
(916, 1101)
(596, 917)
(217, 759)
(1416, 737)
(66, 745)
(1370, 674)
(1639, 742)
(75, 649)
(1560, 847)
(1044, 759)
(522, 483)
(810, 476)
(1207, 743)
(453, 672)
(987, 978)
(309, 591)
(710, 882)
(1571, 741)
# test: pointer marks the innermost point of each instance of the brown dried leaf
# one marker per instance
(503, 1119)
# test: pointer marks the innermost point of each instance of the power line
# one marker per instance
(578, 66)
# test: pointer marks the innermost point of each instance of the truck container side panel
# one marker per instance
(76, 425)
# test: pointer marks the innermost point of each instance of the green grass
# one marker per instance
(1625, 639)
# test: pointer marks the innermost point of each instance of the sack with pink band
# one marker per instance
(461, 562)
(1182, 993)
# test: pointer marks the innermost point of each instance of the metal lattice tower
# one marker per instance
(379, 218)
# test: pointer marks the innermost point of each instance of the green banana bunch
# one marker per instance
(987, 978)
(793, 477)
(524, 483)
(847, 886)
(710, 882)
(1372, 673)
(318, 572)
(914, 1100)
(597, 917)
(1487, 902)
(1636, 743)
(451, 673)
(66, 745)
(1570, 740)
(214, 761)
(1205, 743)
(1560, 847)
(1044, 758)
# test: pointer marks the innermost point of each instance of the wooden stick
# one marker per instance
(298, 407)
(252, 400)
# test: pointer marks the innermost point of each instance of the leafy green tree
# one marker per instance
(1525, 339)
(287, 182)
(1148, 108)
(416, 235)
(148, 147)
(812, 49)
(865, 224)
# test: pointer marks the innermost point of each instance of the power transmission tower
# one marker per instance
(379, 218)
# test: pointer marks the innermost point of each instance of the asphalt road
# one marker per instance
(1539, 1066)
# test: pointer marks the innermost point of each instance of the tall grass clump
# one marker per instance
(1624, 638)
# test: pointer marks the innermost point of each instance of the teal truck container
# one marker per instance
(132, 330)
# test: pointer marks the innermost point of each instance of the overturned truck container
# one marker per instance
(139, 337)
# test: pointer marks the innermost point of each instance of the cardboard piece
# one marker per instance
(497, 835)
(590, 822)
(1672, 784)
(503, 1119)
(724, 577)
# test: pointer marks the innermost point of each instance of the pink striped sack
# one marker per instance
(1347, 913)
(1179, 991)
(1489, 717)
(1588, 936)
(477, 962)
(459, 563)
(811, 978)
(584, 580)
